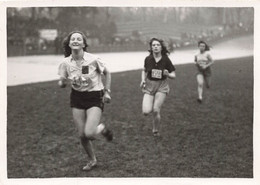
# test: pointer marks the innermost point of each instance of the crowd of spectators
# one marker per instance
(214, 33)
(25, 37)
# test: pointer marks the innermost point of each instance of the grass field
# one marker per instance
(213, 139)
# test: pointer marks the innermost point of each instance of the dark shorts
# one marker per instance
(205, 72)
(86, 100)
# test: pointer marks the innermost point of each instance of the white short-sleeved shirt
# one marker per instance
(202, 58)
(89, 72)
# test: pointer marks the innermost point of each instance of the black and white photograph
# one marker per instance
(135, 93)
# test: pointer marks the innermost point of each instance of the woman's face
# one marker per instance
(76, 41)
(202, 47)
(156, 46)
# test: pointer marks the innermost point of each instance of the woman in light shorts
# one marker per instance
(203, 61)
(157, 69)
(88, 94)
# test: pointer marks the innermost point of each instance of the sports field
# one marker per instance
(213, 139)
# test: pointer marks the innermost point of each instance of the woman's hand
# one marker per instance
(143, 77)
(76, 80)
(62, 83)
(106, 97)
(142, 84)
(166, 72)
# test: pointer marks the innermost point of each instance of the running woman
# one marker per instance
(88, 95)
(203, 62)
(157, 69)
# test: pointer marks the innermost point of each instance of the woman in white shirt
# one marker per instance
(88, 94)
(203, 62)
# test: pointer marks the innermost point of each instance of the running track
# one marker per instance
(32, 69)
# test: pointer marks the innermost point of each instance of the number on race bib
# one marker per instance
(156, 73)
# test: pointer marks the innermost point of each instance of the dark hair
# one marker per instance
(207, 47)
(164, 49)
(66, 41)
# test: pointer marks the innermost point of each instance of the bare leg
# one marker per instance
(80, 117)
(207, 81)
(87, 144)
(92, 127)
(200, 80)
(147, 106)
(158, 102)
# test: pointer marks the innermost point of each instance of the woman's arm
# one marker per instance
(62, 82)
(195, 59)
(63, 75)
(107, 74)
(210, 61)
(171, 75)
(196, 62)
(170, 70)
(143, 76)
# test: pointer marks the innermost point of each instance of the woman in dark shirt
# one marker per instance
(157, 69)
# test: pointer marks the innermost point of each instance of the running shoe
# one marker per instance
(156, 134)
(199, 100)
(90, 165)
(108, 134)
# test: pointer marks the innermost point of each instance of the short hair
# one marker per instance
(164, 48)
(66, 41)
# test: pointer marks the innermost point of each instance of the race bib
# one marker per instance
(156, 73)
